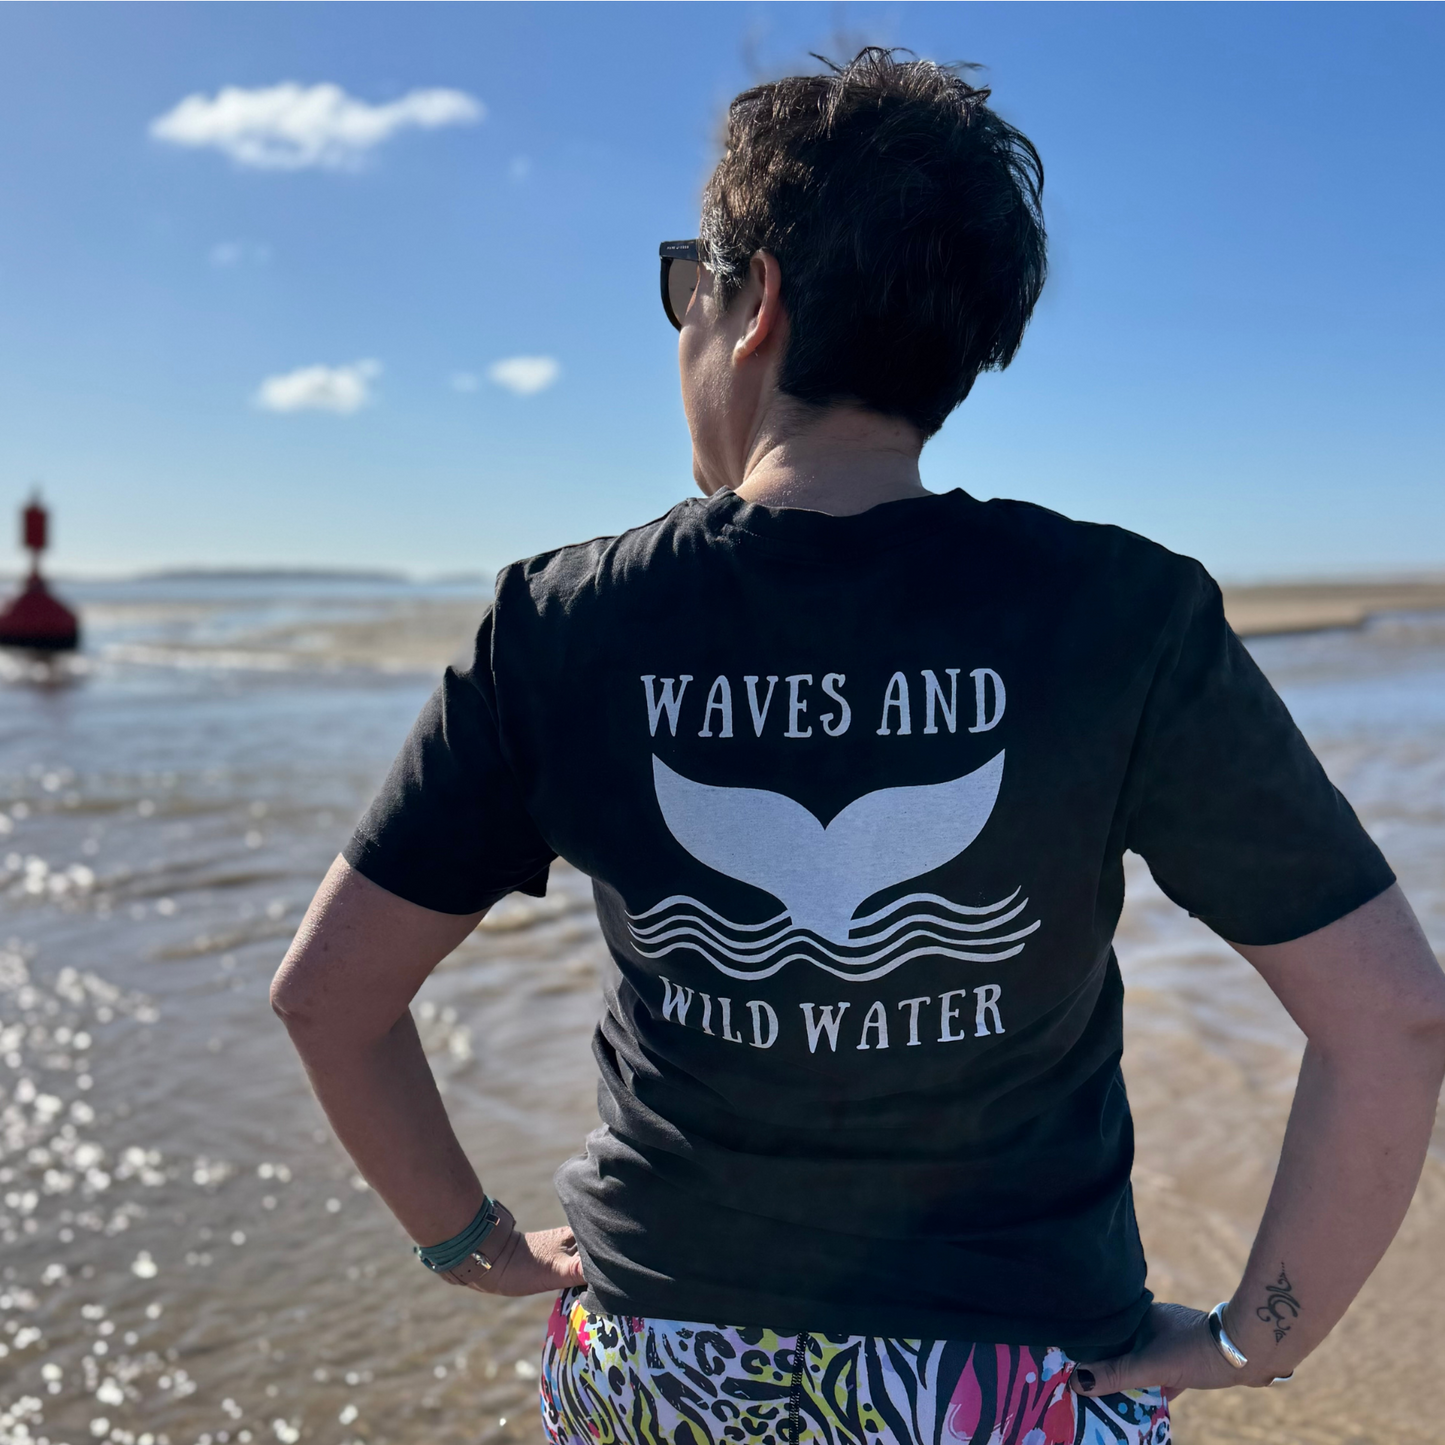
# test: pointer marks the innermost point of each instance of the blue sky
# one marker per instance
(1239, 351)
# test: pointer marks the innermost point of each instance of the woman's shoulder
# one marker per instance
(566, 577)
(1053, 538)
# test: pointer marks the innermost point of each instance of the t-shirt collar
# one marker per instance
(803, 533)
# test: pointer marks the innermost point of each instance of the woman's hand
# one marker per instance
(542, 1262)
(1180, 1354)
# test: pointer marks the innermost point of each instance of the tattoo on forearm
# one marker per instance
(1280, 1306)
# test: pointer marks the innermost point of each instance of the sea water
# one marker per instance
(187, 1258)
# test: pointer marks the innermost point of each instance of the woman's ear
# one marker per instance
(762, 301)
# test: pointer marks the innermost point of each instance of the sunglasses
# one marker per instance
(680, 270)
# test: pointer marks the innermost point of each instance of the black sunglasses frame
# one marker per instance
(671, 251)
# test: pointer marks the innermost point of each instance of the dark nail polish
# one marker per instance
(1084, 1377)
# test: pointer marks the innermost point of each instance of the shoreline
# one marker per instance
(1273, 609)
(1262, 609)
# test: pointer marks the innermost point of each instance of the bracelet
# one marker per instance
(1228, 1348)
(1222, 1342)
(439, 1258)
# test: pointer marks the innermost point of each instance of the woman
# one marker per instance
(853, 767)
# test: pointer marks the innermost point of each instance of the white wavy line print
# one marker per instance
(682, 898)
(655, 931)
(941, 903)
(863, 977)
(879, 942)
(801, 939)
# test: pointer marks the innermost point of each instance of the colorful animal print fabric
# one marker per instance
(610, 1380)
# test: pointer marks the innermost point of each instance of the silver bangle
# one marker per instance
(1220, 1336)
(1229, 1349)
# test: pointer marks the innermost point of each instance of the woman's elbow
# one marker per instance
(294, 994)
(1409, 1035)
(1425, 1027)
(324, 1007)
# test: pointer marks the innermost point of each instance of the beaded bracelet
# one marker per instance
(439, 1258)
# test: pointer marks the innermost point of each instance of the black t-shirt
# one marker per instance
(854, 793)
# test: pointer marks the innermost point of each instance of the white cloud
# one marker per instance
(290, 127)
(235, 253)
(525, 375)
(340, 389)
(465, 381)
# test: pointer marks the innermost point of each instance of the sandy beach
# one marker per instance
(189, 1258)
(1268, 609)
(315, 316)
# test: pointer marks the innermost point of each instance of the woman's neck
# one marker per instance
(842, 461)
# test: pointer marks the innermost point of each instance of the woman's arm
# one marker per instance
(343, 991)
(1370, 998)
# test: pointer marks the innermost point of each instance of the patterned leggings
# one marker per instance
(610, 1380)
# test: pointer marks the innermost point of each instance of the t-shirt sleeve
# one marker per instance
(450, 829)
(1231, 810)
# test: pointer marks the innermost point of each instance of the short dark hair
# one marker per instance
(906, 218)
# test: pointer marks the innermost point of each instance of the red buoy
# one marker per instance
(36, 620)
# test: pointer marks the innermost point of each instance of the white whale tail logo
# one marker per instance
(822, 875)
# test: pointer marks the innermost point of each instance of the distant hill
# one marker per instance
(272, 574)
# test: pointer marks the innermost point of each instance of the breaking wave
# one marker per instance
(919, 925)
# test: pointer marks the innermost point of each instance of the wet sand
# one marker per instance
(185, 1255)
(1210, 1088)
(1281, 607)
